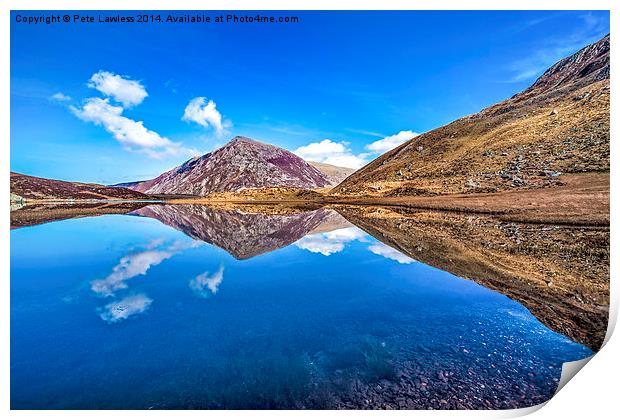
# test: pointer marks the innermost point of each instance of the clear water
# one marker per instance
(127, 312)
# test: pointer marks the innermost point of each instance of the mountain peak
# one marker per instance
(589, 64)
(241, 140)
(241, 163)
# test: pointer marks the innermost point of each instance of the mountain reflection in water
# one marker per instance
(294, 308)
(243, 234)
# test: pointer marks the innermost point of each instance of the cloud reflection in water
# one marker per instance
(390, 253)
(205, 284)
(122, 309)
(137, 264)
(330, 242)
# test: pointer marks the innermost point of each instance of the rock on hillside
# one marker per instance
(242, 163)
(558, 125)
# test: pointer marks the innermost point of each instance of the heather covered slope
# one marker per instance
(35, 188)
(559, 125)
(242, 163)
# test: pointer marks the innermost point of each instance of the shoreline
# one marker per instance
(581, 200)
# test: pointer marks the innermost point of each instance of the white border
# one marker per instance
(594, 394)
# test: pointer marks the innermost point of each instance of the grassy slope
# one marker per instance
(560, 124)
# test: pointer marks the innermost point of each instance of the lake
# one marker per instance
(194, 307)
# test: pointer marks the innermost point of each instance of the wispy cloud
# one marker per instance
(172, 85)
(206, 284)
(204, 113)
(60, 97)
(121, 88)
(551, 50)
(124, 308)
(527, 24)
(280, 127)
(390, 253)
(365, 132)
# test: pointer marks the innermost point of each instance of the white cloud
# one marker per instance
(331, 152)
(137, 264)
(204, 281)
(124, 308)
(330, 242)
(205, 114)
(131, 134)
(390, 142)
(390, 253)
(339, 154)
(60, 97)
(123, 90)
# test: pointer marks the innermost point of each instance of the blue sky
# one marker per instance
(339, 87)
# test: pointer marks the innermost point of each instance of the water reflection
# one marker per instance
(242, 234)
(341, 318)
(36, 214)
(390, 253)
(328, 243)
(138, 263)
(559, 272)
(122, 309)
(206, 284)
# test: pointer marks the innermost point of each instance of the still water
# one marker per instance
(190, 307)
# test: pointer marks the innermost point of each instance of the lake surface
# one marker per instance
(192, 307)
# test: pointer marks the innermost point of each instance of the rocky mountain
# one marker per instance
(242, 163)
(25, 187)
(559, 125)
(334, 174)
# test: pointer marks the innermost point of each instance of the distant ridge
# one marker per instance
(36, 188)
(126, 184)
(334, 174)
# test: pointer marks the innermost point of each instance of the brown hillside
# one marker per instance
(559, 125)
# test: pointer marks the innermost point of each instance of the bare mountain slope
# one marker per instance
(35, 188)
(334, 174)
(241, 163)
(558, 125)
